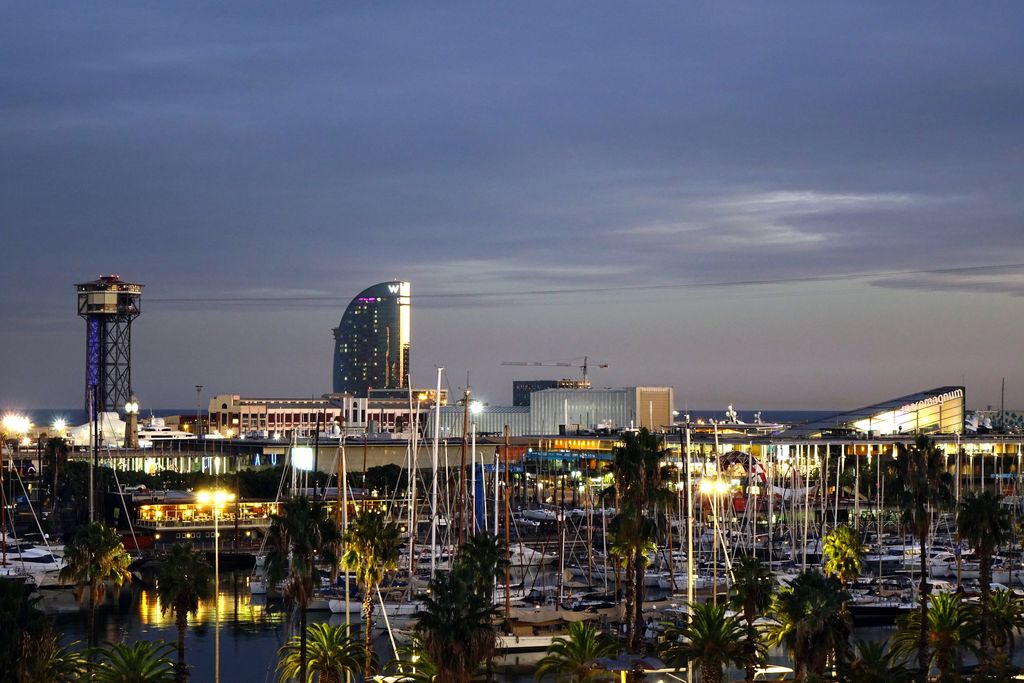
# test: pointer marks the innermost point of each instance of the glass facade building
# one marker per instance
(371, 344)
(942, 410)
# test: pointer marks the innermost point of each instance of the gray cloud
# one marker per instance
(236, 149)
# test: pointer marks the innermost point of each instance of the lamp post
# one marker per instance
(713, 489)
(131, 434)
(217, 498)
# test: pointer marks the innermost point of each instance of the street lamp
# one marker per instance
(131, 435)
(217, 498)
(714, 488)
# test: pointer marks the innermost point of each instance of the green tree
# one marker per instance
(573, 659)
(750, 594)
(138, 662)
(413, 664)
(456, 626)
(873, 662)
(985, 524)
(483, 555)
(44, 659)
(332, 653)
(95, 557)
(57, 450)
(183, 578)
(302, 533)
(640, 487)
(952, 628)
(21, 618)
(711, 639)
(1006, 618)
(371, 550)
(922, 485)
(810, 622)
(844, 554)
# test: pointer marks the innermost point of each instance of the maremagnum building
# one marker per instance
(371, 344)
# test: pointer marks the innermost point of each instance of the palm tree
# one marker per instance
(57, 450)
(456, 626)
(641, 490)
(985, 524)
(874, 663)
(139, 662)
(413, 664)
(183, 578)
(94, 557)
(750, 593)
(332, 653)
(301, 534)
(573, 659)
(951, 629)
(810, 622)
(1006, 619)
(371, 550)
(921, 485)
(43, 658)
(710, 638)
(483, 554)
(844, 554)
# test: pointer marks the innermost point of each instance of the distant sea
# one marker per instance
(78, 416)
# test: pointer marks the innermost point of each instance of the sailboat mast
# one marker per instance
(433, 481)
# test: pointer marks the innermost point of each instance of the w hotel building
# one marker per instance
(371, 344)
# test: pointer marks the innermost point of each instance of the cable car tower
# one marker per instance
(109, 305)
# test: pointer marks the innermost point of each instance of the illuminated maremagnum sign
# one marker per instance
(932, 400)
(302, 458)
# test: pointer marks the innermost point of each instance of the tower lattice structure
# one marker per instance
(109, 305)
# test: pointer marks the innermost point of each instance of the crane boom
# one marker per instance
(558, 364)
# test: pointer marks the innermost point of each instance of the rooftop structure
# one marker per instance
(937, 411)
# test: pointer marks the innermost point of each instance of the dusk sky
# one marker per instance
(775, 205)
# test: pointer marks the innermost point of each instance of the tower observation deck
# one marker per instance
(109, 305)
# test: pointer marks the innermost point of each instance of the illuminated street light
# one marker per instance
(218, 498)
(476, 407)
(59, 425)
(714, 486)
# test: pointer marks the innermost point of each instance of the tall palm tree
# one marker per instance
(985, 524)
(750, 593)
(810, 622)
(483, 554)
(139, 662)
(94, 557)
(573, 659)
(951, 629)
(844, 554)
(456, 626)
(302, 533)
(371, 550)
(873, 662)
(183, 578)
(57, 450)
(711, 639)
(640, 486)
(332, 653)
(921, 485)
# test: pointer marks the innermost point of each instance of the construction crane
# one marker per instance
(560, 364)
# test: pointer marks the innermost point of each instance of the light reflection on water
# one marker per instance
(251, 631)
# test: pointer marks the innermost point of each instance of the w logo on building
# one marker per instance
(395, 288)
